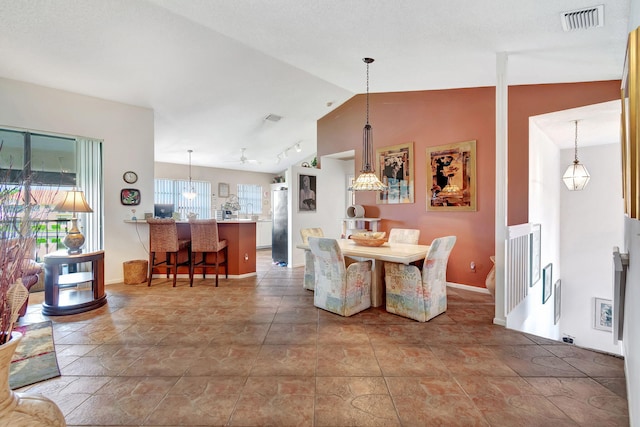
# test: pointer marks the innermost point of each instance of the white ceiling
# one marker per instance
(212, 70)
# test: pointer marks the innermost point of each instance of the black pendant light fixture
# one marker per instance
(368, 180)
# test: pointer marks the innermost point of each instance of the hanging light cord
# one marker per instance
(576, 145)
(190, 151)
(367, 90)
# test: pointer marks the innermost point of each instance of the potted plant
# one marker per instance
(20, 210)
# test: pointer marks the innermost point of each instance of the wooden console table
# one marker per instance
(70, 293)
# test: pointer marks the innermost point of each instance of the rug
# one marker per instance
(35, 357)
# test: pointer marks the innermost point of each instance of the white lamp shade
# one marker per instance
(367, 181)
(73, 201)
(576, 177)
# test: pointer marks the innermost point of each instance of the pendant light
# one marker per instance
(368, 180)
(576, 176)
(190, 193)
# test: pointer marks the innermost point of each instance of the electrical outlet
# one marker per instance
(473, 266)
(567, 339)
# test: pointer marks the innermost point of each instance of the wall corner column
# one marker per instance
(502, 164)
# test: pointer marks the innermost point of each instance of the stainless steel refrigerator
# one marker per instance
(280, 234)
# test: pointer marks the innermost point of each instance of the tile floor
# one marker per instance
(256, 352)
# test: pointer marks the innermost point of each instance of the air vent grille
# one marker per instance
(273, 118)
(590, 17)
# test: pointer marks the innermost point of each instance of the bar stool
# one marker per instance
(163, 237)
(205, 240)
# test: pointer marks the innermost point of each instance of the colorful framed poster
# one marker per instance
(395, 170)
(451, 180)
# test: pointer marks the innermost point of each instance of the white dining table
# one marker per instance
(401, 253)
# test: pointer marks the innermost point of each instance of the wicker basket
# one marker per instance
(367, 241)
(135, 271)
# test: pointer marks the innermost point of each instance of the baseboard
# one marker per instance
(469, 288)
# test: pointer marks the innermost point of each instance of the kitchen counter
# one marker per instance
(240, 235)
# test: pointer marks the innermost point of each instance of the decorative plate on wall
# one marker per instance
(130, 196)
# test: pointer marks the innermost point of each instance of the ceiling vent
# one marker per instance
(273, 118)
(590, 17)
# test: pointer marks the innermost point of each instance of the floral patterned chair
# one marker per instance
(309, 272)
(339, 289)
(420, 295)
(404, 235)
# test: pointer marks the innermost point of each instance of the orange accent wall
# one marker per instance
(430, 118)
(427, 118)
(532, 100)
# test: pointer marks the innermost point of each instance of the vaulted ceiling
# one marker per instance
(213, 70)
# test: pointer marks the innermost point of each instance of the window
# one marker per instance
(250, 198)
(54, 164)
(169, 191)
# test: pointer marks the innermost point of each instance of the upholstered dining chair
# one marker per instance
(309, 271)
(205, 241)
(404, 235)
(163, 238)
(340, 289)
(420, 295)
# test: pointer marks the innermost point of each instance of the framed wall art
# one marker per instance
(395, 169)
(547, 282)
(223, 189)
(602, 314)
(557, 302)
(534, 254)
(307, 198)
(130, 196)
(451, 181)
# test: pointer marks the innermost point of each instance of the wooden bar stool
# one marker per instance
(205, 240)
(163, 238)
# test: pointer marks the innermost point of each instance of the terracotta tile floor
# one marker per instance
(255, 352)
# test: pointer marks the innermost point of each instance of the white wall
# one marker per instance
(591, 225)
(215, 176)
(579, 230)
(532, 316)
(127, 135)
(330, 197)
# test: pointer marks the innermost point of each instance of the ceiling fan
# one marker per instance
(244, 159)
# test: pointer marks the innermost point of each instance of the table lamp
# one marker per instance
(73, 201)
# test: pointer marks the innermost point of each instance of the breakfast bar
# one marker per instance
(240, 235)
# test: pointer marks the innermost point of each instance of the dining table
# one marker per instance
(401, 253)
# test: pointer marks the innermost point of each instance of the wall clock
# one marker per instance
(130, 196)
(130, 177)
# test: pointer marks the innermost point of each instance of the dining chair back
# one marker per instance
(420, 295)
(163, 238)
(206, 241)
(340, 289)
(404, 235)
(309, 272)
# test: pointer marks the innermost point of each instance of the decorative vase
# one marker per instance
(19, 409)
(490, 281)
